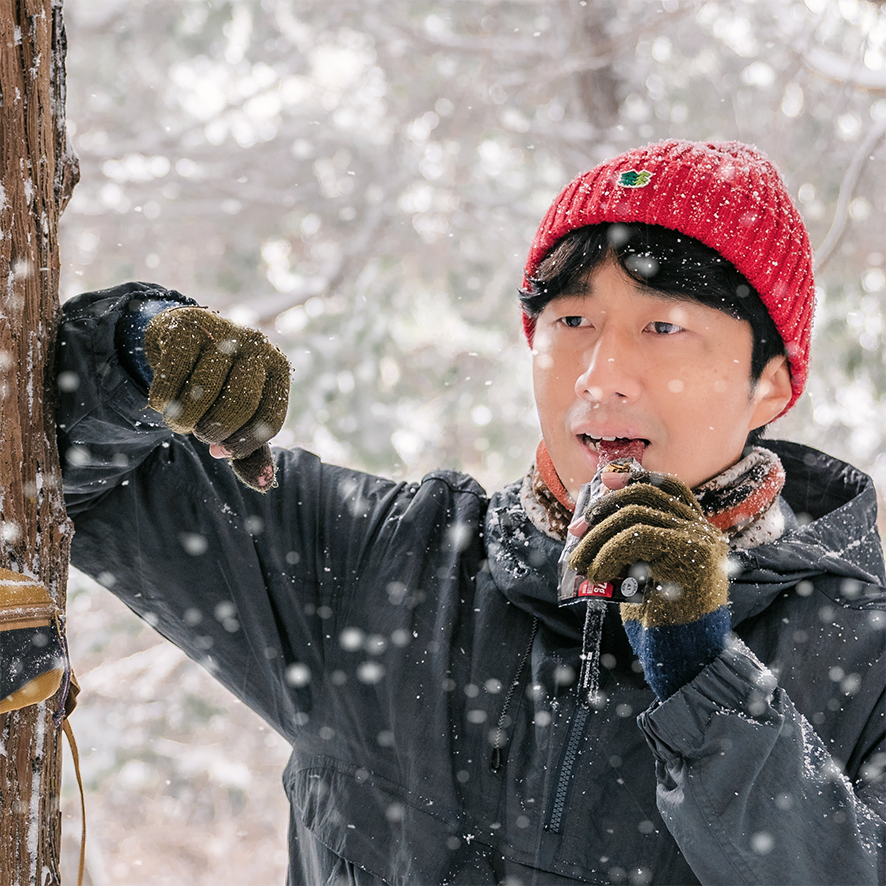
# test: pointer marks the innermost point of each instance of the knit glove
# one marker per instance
(221, 382)
(655, 528)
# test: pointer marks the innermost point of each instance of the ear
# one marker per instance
(771, 393)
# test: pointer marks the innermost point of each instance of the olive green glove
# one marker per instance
(656, 526)
(223, 383)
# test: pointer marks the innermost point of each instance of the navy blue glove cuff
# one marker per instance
(130, 334)
(672, 655)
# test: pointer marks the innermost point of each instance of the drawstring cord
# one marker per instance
(75, 756)
(62, 710)
(66, 703)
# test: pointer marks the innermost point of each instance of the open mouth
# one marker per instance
(611, 448)
(596, 442)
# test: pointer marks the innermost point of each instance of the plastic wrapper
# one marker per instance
(575, 588)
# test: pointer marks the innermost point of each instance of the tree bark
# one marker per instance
(37, 175)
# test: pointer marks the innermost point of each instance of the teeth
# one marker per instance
(595, 441)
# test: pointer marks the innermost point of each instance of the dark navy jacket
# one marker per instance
(405, 638)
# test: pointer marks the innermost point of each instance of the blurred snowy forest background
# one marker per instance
(361, 179)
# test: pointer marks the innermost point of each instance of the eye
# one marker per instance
(574, 322)
(661, 327)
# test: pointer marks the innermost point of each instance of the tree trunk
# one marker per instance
(37, 174)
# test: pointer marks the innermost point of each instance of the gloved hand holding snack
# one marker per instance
(655, 525)
(225, 384)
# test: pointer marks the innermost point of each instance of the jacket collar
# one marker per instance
(837, 535)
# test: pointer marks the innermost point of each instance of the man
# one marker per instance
(407, 639)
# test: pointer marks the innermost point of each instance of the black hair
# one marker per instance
(666, 262)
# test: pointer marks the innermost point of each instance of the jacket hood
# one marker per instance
(836, 506)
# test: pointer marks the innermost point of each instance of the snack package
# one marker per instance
(575, 588)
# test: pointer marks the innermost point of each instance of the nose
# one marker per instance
(610, 371)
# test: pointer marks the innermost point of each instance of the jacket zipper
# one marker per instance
(567, 764)
(497, 758)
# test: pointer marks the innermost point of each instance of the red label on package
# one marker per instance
(595, 589)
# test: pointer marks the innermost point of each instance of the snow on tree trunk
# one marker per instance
(37, 175)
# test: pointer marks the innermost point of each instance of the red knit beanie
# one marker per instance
(727, 195)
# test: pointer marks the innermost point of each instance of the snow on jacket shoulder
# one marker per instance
(405, 639)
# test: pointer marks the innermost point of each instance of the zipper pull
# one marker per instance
(496, 761)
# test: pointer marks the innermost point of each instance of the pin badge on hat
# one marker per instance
(635, 178)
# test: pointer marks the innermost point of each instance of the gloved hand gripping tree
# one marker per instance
(225, 384)
(655, 525)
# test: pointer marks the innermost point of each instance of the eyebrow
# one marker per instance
(583, 287)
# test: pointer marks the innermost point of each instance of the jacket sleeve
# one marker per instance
(242, 582)
(749, 791)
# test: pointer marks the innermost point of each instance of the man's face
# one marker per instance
(617, 360)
